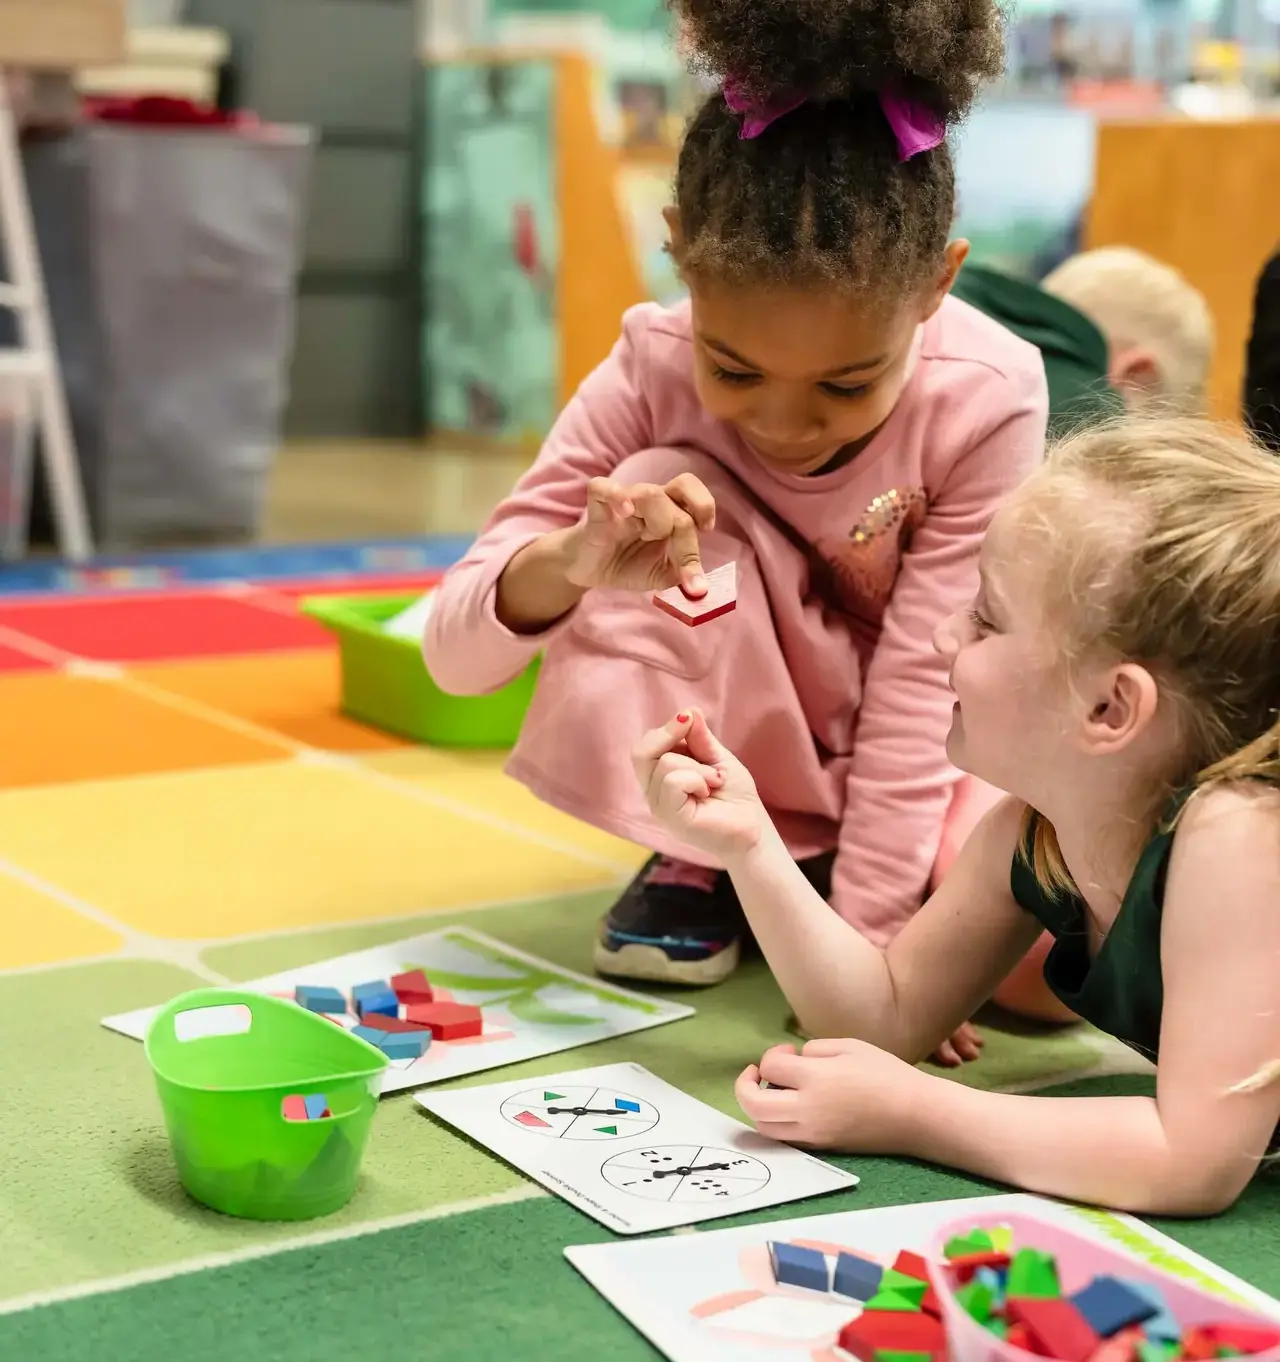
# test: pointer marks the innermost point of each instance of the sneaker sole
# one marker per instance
(654, 964)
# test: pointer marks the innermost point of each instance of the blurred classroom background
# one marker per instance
(325, 270)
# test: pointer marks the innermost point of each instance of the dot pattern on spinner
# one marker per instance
(580, 1113)
(685, 1173)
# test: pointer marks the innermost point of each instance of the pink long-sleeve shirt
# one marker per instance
(824, 679)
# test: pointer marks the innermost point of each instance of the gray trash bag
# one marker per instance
(171, 257)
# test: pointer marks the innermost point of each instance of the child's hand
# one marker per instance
(699, 789)
(643, 537)
(836, 1094)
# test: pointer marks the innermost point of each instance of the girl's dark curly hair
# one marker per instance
(821, 195)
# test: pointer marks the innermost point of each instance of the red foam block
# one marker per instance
(721, 597)
(1057, 1329)
(447, 1021)
(1247, 1338)
(911, 1265)
(413, 987)
(391, 1025)
(967, 1264)
(898, 1331)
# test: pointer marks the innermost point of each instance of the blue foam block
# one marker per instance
(405, 1044)
(857, 1278)
(316, 1104)
(793, 1266)
(1161, 1326)
(1109, 1305)
(994, 1281)
(626, 1104)
(377, 1003)
(317, 999)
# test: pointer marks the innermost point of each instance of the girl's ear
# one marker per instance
(953, 257)
(675, 236)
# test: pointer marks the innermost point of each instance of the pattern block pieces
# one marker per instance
(1033, 1276)
(877, 1331)
(721, 597)
(1055, 1327)
(1244, 1338)
(1160, 1326)
(412, 987)
(375, 998)
(405, 1044)
(857, 1278)
(318, 999)
(294, 1108)
(396, 1025)
(312, 1107)
(1110, 1305)
(965, 1245)
(796, 1266)
(911, 1265)
(447, 1021)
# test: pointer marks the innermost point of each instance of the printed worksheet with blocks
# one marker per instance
(632, 1151)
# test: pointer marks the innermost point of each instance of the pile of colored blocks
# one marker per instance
(401, 1015)
(1016, 1295)
(900, 1319)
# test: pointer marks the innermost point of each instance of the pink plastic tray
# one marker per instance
(1079, 1261)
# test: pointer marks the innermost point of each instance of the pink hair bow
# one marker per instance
(915, 126)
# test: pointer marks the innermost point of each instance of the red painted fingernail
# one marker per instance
(682, 718)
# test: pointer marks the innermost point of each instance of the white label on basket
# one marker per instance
(226, 1019)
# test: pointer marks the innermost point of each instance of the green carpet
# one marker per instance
(89, 1191)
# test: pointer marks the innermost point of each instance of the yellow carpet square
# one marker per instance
(252, 850)
(477, 778)
(37, 930)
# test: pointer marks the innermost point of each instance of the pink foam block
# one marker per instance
(721, 597)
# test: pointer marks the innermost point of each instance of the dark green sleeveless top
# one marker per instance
(1121, 989)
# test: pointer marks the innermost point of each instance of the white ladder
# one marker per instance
(24, 294)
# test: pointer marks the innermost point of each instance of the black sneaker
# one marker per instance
(676, 923)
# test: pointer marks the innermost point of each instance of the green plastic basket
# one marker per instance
(385, 682)
(224, 1063)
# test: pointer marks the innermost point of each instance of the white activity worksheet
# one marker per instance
(632, 1151)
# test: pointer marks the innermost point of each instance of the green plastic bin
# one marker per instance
(224, 1063)
(386, 683)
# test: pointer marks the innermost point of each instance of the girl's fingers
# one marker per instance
(655, 744)
(675, 789)
(608, 502)
(691, 493)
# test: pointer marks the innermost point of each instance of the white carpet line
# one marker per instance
(33, 647)
(250, 1252)
(136, 945)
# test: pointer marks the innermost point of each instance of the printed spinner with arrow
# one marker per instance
(580, 1113)
(679, 1173)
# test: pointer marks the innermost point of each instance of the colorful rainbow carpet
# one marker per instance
(182, 802)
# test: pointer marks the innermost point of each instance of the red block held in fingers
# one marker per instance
(721, 597)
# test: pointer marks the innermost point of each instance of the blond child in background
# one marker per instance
(1158, 328)
(1119, 673)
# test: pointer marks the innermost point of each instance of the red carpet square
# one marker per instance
(152, 628)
